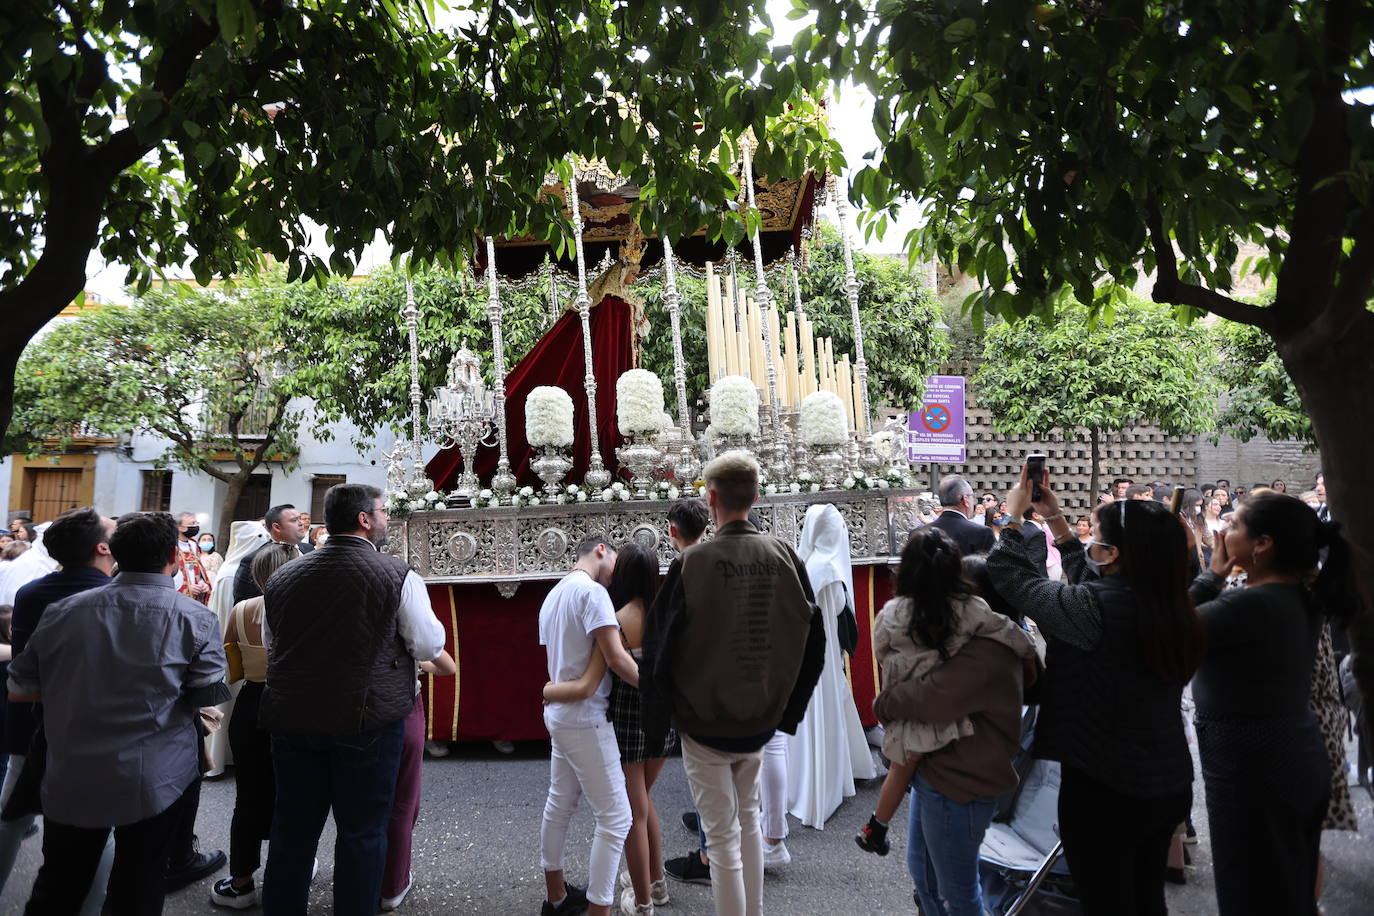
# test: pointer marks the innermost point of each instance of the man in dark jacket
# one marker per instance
(734, 648)
(344, 628)
(285, 526)
(956, 496)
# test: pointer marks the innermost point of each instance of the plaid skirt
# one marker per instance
(623, 713)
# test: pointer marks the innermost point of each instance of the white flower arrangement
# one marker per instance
(735, 406)
(549, 417)
(639, 403)
(400, 505)
(822, 420)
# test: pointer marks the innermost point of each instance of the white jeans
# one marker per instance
(774, 786)
(587, 760)
(725, 787)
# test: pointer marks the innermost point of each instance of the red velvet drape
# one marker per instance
(501, 666)
(557, 360)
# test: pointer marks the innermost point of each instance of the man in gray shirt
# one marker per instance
(122, 672)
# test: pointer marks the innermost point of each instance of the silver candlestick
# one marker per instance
(597, 476)
(503, 481)
(551, 467)
(417, 483)
(863, 424)
(460, 416)
(776, 450)
(685, 469)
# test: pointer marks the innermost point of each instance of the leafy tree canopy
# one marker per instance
(1081, 373)
(1261, 399)
(1092, 139)
(201, 370)
(163, 132)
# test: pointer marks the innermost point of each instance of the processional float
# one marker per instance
(522, 470)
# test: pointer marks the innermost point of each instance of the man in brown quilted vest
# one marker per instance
(344, 628)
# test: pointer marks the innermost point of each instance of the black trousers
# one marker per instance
(136, 888)
(1117, 844)
(183, 847)
(254, 781)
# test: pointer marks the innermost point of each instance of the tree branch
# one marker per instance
(1170, 290)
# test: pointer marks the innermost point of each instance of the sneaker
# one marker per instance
(1191, 836)
(623, 879)
(225, 893)
(688, 869)
(658, 891)
(628, 907)
(776, 855)
(391, 903)
(314, 869)
(504, 747)
(872, 837)
(691, 820)
(200, 865)
(573, 904)
(874, 736)
(436, 749)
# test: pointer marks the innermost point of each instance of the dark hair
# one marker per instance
(14, 550)
(273, 515)
(976, 572)
(635, 576)
(1163, 493)
(1299, 537)
(691, 516)
(1154, 560)
(30, 531)
(342, 504)
(73, 536)
(6, 621)
(590, 543)
(1224, 483)
(1118, 480)
(144, 542)
(270, 558)
(1137, 489)
(931, 577)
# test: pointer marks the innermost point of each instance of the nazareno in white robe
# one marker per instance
(829, 750)
(244, 539)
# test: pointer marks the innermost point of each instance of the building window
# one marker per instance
(157, 491)
(318, 487)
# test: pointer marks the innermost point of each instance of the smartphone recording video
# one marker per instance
(1035, 473)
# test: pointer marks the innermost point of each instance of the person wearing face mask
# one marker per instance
(192, 578)
(211, 558)
(1268, 773)
(1123, 641)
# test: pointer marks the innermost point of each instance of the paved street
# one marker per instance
(476, 850)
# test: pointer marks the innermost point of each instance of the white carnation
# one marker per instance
(882, 484)
(672, 492)
(796, 488)
(534, 500)
(572, 488)
(549, 417)
(485, 494)
(581, 497)
(735, 406)
(639, 403)
(815, 488)
(432, 494)
(848, 483)
(607, 495)
(822, 420)
(527, 491)
(441, 505)
(417, 505)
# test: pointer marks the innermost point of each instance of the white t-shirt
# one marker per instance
(575, 608)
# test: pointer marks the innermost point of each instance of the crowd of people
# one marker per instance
(1167, 617)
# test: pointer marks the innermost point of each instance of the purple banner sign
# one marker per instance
(935, 430)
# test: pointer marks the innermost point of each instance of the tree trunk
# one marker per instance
(1332, 366)
(234, 487)
(1095, 439)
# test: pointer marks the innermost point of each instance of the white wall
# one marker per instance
(119, 481)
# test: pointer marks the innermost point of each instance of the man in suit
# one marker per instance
(956, 498)
(285, 526)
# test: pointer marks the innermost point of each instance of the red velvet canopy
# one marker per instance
(557, 360)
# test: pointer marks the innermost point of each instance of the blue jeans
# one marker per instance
(355, 775)
(942, 850)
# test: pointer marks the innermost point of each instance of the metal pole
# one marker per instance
(503, 481)
(686, 467)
